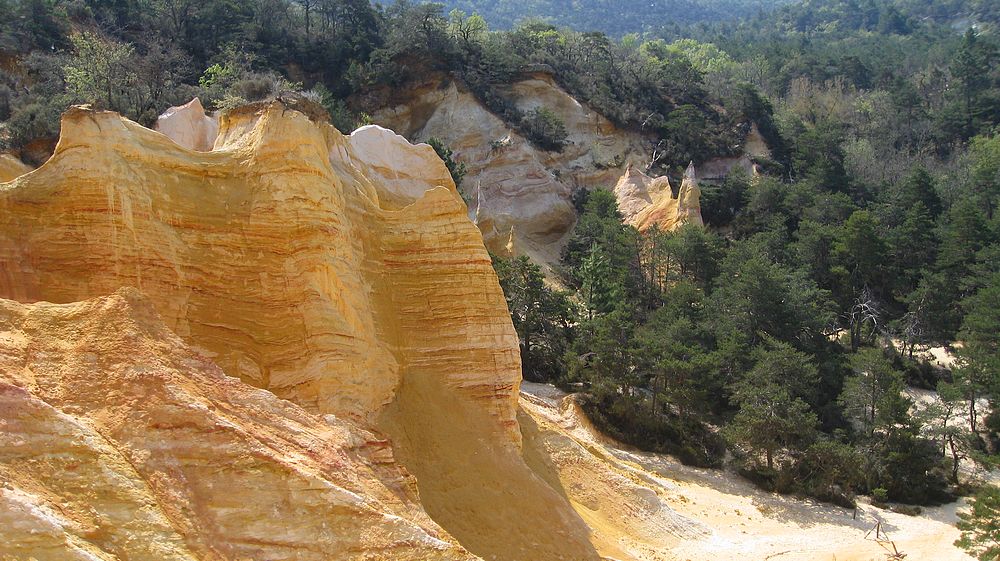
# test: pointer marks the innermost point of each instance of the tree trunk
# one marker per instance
(954, 459)
(653, 410)
(972, 412)
(527, 365)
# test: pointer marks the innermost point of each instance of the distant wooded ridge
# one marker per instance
(616, 17)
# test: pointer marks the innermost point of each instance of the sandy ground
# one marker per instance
(922, 399)
(643, 506)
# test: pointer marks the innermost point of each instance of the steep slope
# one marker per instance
(520, 195)
(648, 507)
(339, 273)
(668, 212)
(517, 189)
(122, 442)
(11, 167)
(646, 202)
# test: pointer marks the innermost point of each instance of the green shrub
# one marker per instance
(880, 495)
(34, 120)
(544, 129)
(907, 510)
(455, 168)
(627, 420)
(980, 531)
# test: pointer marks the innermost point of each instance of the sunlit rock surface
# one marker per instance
(342, 275)
(519, 191)
(294, 347)
(11, 167)
(646, 202)
(120, 441)
(189, 126)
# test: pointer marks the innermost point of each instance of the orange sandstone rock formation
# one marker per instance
(120, 441)
(340, 274)
(189, 126)
(11, 167)
(522, 194)
(645, 201)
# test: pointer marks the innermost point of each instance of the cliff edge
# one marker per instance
(338, 274)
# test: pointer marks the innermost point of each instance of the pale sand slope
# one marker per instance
(644, 506)
(923, 399)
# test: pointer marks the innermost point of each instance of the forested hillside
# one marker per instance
(609, 16)
(787, 329)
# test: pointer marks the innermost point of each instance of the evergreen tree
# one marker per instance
(771, 417)
(860, 254)
(873, 395)
(980, 526)
(542, 317)
(968, 67)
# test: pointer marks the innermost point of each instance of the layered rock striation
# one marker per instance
(522, 195)
(120, 441)
(339, 274)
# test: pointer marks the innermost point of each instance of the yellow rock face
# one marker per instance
(120, 441)
(281, 255)
(645, 201)
(11, 167)
(189, 126)
(340, 274)
(519, 192)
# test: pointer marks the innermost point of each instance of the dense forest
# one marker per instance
(612, 17)
(784, 332)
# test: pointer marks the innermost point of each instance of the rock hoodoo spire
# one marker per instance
(645, 201)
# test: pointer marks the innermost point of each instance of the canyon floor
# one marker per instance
(693, 514)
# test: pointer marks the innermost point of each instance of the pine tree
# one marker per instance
(980, 526)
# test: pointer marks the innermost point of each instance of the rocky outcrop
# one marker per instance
(522, 193)
(635, 191)
(340, 274)
(11, 167)
(294, 347)
(120, 441)
(189, 126)
(754, 149)
(645, 201)
(289, 208)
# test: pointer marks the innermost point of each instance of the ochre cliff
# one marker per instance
(520, 196)
(340, 274)
(189, 126)
(293, 346)
(516, 188)
(120, 441)
(11, 167)
(645, 201)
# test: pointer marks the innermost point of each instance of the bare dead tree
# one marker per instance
(660, 152)
(864, 315)
(911, 331)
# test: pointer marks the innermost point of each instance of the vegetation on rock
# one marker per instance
(789, 326)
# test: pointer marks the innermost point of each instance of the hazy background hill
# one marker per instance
(615, 17)
(620, 17)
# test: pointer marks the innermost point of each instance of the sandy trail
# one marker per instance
(649, 507)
